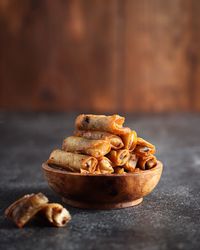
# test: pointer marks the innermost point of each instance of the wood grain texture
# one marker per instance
(58, 55)
(194, 56)
(108, 190)
(100, 56)
(157, 36)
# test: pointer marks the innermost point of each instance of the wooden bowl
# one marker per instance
(105, 191)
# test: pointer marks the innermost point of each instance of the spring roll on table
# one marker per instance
(115, 141)
(22, 210)
(148, 162)
(72, 161)
(130, 140)
(119, 157)
(112, 124)
(131, 164)
(96, 148)
(56, 214)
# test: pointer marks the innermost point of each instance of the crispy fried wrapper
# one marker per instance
(130, 140)
(105, 166)
(131, 164)
(144, 148)
(115, 141)
(119, 170)
(148, 162)
(22, 210)
(95, 148)
(119, 157)
(72, 161)
(112, 124)
(56, 214)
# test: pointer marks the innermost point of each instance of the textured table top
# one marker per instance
(169, 218)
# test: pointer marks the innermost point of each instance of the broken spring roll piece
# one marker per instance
(105, 166)
(56, 214)
(119, 170)
(96, 148)
(119, 157)
(22, 210)
(130, 140)
(131, 164)
(112, 124)
(115, 141)
(73, 162)
(148, 162)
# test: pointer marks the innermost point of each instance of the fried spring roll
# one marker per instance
(112, 124)
(148, 162)
(144, 146)
(130, 165)
(115, 141)
(119, 170)
(119, 157)
(130, 140)
(56, 214)
(22, 210)
(73, 162)
(105, 166)
(96, 148)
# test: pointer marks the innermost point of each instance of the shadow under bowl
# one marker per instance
(102, 191)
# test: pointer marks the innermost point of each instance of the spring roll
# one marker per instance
(56, 214)
(115, 141)
(112, 124)
(148, 162)
(73, 162)
(119, 157)
(105, 166)
(23, 210)
(130, 140)
(145, 146)
(119, 170)
(130, 165)
(95, 148)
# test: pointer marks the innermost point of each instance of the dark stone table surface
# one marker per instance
(169, 218)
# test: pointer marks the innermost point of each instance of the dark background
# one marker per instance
(100, 55)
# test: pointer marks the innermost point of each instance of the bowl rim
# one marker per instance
(46, 167)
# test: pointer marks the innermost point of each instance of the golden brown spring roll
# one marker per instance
(105, 166)
(22, 210)
(119, 157)
(96, 148)
(112, 124)
(130, 165)
(73, 162)
(130, 140)
(115, 141)
(56, 214)
(148, 162)
(144, 147)
(119, 170)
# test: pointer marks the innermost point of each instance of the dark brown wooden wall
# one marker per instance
(100, 55)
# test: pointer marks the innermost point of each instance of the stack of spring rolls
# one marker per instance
(101, 145)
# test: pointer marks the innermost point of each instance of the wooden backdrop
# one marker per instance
(100, 55)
